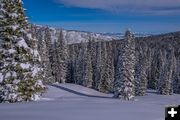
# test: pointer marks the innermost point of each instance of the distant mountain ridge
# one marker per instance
(121, 35)
(75, 36)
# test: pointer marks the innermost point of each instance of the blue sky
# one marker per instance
(152, 16)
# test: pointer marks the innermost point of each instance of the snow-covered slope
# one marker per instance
(61, 104)
(78, 36)
(71, 90)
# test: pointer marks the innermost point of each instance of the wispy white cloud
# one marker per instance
(132, 6)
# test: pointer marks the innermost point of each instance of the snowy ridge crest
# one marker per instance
(74, 36)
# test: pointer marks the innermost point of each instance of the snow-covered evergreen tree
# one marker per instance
(19, 58)
(141, 71)
(48, 57)
(70, 64)
(61, 59)
(93, 60)
(155, 69)
(88, 75)
(108, 68)
(176, 80)
(98, 75)
(42, 49)
(150, 53)
(76, 69)
(103, 84)
(126, 66)
(79, 70)
(118, 75)
(55, 63)
(166, 71)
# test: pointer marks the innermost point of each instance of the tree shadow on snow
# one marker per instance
(79, 93)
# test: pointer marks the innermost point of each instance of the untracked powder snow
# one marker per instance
(74, 102)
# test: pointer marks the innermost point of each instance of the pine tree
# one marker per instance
(166, 71)
(93, 60)
(88, 76)
(155, 69)
(110, 70)
(48, 56)
(61, 59)
(107, 68)
(103, 82)
(74, 58)
(18, 58)
(43, 51)
(118, 75)
(141, 71)
(76, 65)
(150, 53)
(70, 64)
(176, 80)
(54, 62)
(98, 75)
(80, 64)
(126, 64)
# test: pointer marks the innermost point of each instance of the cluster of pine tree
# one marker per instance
(127, 67)
(92, 65)
(156, 66)
(20, 69)
(54, 54)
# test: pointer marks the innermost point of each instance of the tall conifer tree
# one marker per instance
(166, 71)
(126, 66)
(62, 58)
(19, 58)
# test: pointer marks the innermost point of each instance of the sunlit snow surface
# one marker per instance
(74, 102)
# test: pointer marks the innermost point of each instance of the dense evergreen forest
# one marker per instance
(95, 63)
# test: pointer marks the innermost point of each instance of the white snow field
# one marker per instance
(74, 102)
